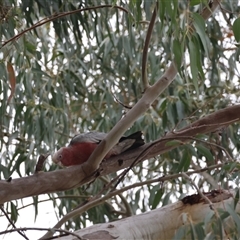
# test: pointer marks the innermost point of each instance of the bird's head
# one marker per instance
(66, 156)
(61, 157)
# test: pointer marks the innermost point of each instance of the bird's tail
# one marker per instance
(138, 140)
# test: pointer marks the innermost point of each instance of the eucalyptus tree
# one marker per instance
(167, 68)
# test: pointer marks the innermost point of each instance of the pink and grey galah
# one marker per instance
(81, 147)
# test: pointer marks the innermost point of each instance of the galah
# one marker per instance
(81, 147)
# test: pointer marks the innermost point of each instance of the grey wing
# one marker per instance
(93, 137)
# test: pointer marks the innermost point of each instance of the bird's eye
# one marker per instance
(60, 156)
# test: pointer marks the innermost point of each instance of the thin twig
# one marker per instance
(148, 149)
(207, 177)
(184, 175)
(213, 144)
(146, 46)
(50, 199)
(11, 222)
(118, 101)
(42, 229)
(125, 202)
(60, 15)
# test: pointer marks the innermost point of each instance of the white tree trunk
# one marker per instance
(161, 223)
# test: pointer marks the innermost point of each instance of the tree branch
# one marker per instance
(59, 15)
(145, 49)
(11, 222)
(48, 182)
(149, 96)
(95, 201)
(43, 229)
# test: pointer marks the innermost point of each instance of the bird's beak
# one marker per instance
(57, 156)
(54, 158)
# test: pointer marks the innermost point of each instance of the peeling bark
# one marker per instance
(214, 196)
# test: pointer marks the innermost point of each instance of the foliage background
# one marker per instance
(72, 73)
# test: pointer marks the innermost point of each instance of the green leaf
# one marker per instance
(191, 149)
(231, 166)
(30, 47)
(171, 114)
(185, 161)
(174, 143)
(235, 217)
(236, 199)
(199, 25)
(199, 231)
(162, 9)
(35, 204)
(195, 2)
(178, 52)
(208, 218)
(181, 233)
(14, 213)
(205, 152)
(166, 199)
(157, 198)
(180, 111)
(219, 228)
(193, 64)
(172, 7)
(236, 29)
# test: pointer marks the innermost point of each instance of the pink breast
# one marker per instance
(81, 152)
